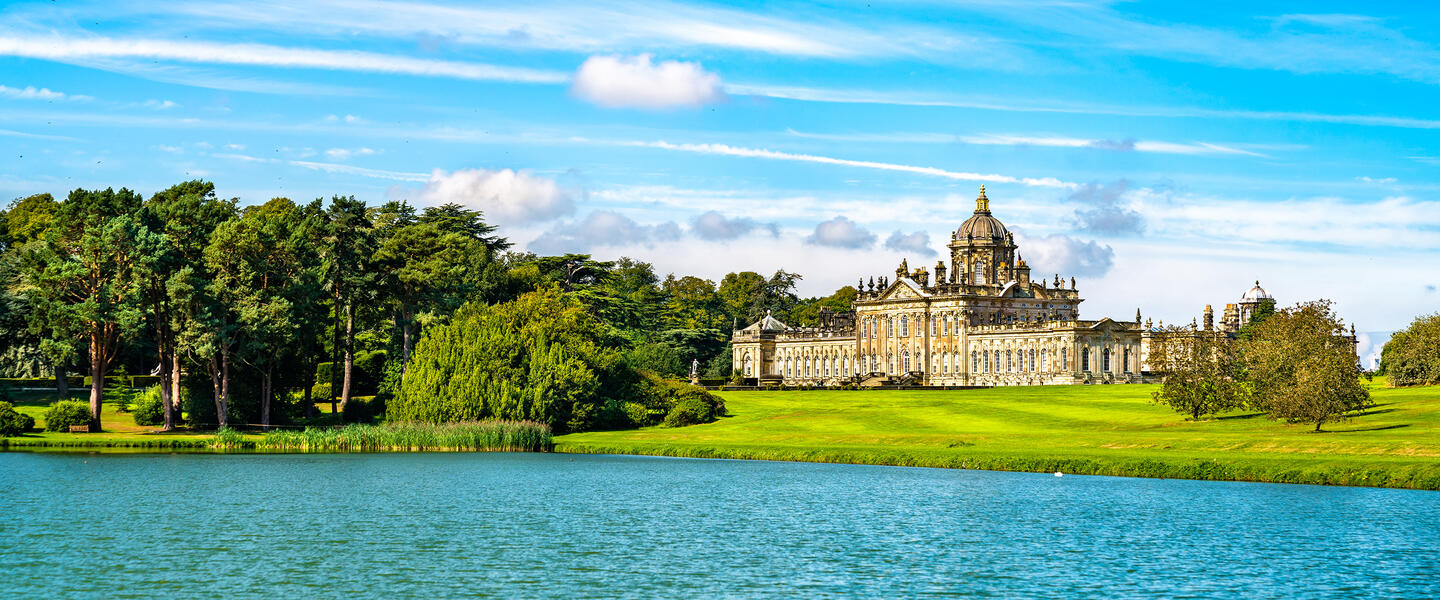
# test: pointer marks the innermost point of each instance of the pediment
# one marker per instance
(903, 288)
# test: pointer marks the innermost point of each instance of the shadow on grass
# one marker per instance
(1380, 428)
(1244, 416)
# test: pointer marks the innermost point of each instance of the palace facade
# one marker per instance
(978, 320)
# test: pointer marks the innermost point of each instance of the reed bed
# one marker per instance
(473, 436)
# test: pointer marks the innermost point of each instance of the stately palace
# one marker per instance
(979, 320)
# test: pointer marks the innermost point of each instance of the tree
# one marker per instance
(807, 312)
(174, 279)
(1199, 370)
(347, 248)
(541, 357)
(691, 303)
(1412, 356)
(1302, 366)
(271, 286)
(82, 281)
(431, 263)
(747, 295)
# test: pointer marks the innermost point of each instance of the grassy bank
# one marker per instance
(122, 434)
(1097, 430)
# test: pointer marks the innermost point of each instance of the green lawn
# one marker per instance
(1110, 430)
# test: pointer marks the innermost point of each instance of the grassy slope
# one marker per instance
(1110, 430)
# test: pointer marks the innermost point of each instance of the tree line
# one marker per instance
(257, 312)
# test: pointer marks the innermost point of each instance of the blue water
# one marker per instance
(539, 525)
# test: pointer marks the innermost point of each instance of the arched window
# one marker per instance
(1032, 360)
(1064, 359)
(1009, 361)
(1126, 363)
(979, 272)
(934, 326)
(974, 362)
(1020, 360)
(905, 360)
(1105, 360)
(1085, 359)
(748, 366)
(1044, 360)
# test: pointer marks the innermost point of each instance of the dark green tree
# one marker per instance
(81, 282)
(347, 249)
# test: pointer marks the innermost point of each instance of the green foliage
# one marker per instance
(653, 399)
(1302, 366)
(13, 423)
(147, 409)
(807, 313)
(61, 415)
(657, 357)
(539, 358)
(690, 411)
(1412, 356)
(364, 409)
(1199, 370)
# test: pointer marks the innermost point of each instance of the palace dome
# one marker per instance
(981, 226)
(1256, 294)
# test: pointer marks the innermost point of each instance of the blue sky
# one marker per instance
(1165, 154)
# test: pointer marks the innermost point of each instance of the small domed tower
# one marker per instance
(1251, 301)
(982, 251)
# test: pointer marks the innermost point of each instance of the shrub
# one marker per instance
(321, 392)
(657, 357)
(61, 415)
(147, 408)
(13, 422)
(363, 409)
(690, 411)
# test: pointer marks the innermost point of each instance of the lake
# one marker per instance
(547, 525)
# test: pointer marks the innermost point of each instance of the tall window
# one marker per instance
(1105, 361)
(1032, 360)
(974, 362)
(1085, 359)
(1044, 360)
(748, 366)
(904, 326)
(985, 361)
(979, 272)
(1064, 359)
(1126, 363)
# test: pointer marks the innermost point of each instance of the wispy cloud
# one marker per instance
(346, 153)
(589, 27)
(908, 98)
(1132, 145)
(726, 150)
(66, 49)
(361, 171)
(31, 92)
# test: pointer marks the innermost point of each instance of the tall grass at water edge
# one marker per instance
(475, 436)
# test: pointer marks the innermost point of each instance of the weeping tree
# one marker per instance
(540, 358)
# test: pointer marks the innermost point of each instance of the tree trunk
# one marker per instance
(225, 386)
(265, 391)
(1317, 425)
(215, 392)
(166, 378)
(349, 356)
(62, 382)
(97, 393)
(175, 383)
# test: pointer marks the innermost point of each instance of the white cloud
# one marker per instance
(505, 196)
(161, 104)
(31, 92)
(345, 153)
(235, 146)
(64, 49)
(602, 228)
(712, 225)
(636, 82)
(1381, 180)
(917, 242)
(841, 232)
(1064, 255)
(726, 150)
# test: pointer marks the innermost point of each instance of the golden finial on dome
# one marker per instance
(982, 204)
